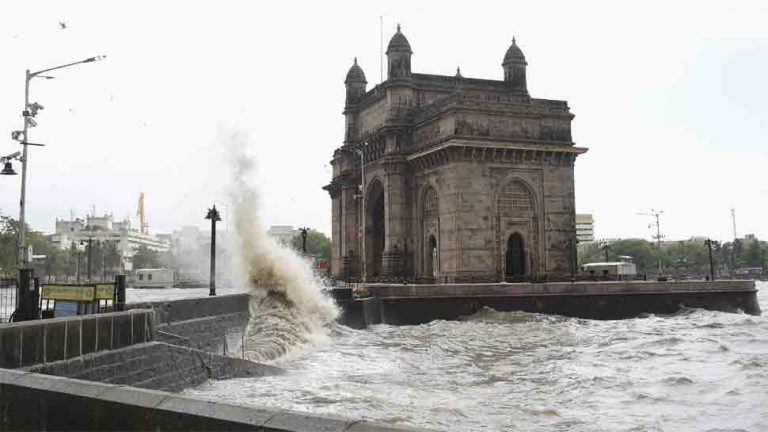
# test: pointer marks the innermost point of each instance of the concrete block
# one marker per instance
(365, 426)
(9, 376)
(138, 333)
(121, 330)
(104, 337)
(234, 413)
(71, 386)
(133, 396)
(299, 422)
(89, 334)
(10, 347)
(31, 345)
(73, 337)
(54, 340)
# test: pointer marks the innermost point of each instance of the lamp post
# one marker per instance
(709, 244)
(362, 198)
(29, 112)
(304, 231)
(213, 216)
(88, 244)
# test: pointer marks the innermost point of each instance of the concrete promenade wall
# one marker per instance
(559, 288)
(42, 341)
(30, 401)
(213, 324)
(418, 304)
(156, 366)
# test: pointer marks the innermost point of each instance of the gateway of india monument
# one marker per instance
(448, 179)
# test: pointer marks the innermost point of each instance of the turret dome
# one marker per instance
(355, 74)
(399, 43)
(514, 54)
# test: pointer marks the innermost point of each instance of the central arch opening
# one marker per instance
(515, 267)
(374, 228)
(431, 257)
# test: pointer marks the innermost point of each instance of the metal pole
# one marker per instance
(365, 216)
(78, 266)
(90, 241)
(21, 258)
(658, 241)
(212, 291)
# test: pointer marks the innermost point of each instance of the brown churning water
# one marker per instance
(514, 371)
(288, 308)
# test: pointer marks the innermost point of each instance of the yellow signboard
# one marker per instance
(69, 292)
(105, 291)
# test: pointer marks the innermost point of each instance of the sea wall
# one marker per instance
(31, 401)
(214, 324)
(155, 365)
(418, 304)
(42, 341)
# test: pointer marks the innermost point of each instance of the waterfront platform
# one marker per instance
(404, 304)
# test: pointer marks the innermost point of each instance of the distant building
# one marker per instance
(585, 228)
(104, 229)
(282, 234)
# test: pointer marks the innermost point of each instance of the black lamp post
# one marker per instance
(213, 216)
(89, 244)
(304, 231)
(709, 243)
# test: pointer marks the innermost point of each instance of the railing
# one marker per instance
(9, 300)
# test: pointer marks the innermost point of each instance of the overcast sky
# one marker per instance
(669, 97)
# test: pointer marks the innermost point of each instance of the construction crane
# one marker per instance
(143, 225)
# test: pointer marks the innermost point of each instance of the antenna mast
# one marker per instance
(733, 219)
(655, 214)
(381, 48)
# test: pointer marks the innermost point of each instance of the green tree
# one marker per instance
(318, 245)
(146, 258)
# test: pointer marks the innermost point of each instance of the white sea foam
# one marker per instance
(288, 308)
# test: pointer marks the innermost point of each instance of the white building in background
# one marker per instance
(585, 228)
(104, 229)
(283, 234)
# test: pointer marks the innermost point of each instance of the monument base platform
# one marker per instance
(419, 304)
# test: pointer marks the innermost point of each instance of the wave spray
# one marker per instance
(287, 306)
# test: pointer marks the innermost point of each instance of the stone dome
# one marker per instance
(514, 54)
(399, 43)
(355, 74)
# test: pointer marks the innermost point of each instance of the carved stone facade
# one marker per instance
(452, 179)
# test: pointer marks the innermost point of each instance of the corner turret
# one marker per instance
(399, 56)
(514, 68)
(355, 83)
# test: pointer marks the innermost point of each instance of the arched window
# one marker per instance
(515, 200)
(430, 203)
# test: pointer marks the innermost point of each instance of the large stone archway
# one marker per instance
(375, 233)
(518, 229)
(430, 211)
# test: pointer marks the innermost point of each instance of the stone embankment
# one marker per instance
(155, 365)
(116, 371)
(417, 304)
(31, 401)
(213, 324)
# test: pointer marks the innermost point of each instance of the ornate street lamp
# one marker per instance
(29, 113)
(213, 216)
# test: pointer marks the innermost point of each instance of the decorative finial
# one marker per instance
(513, 40)
(458, 72)
(398, 27)
(355, 60)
